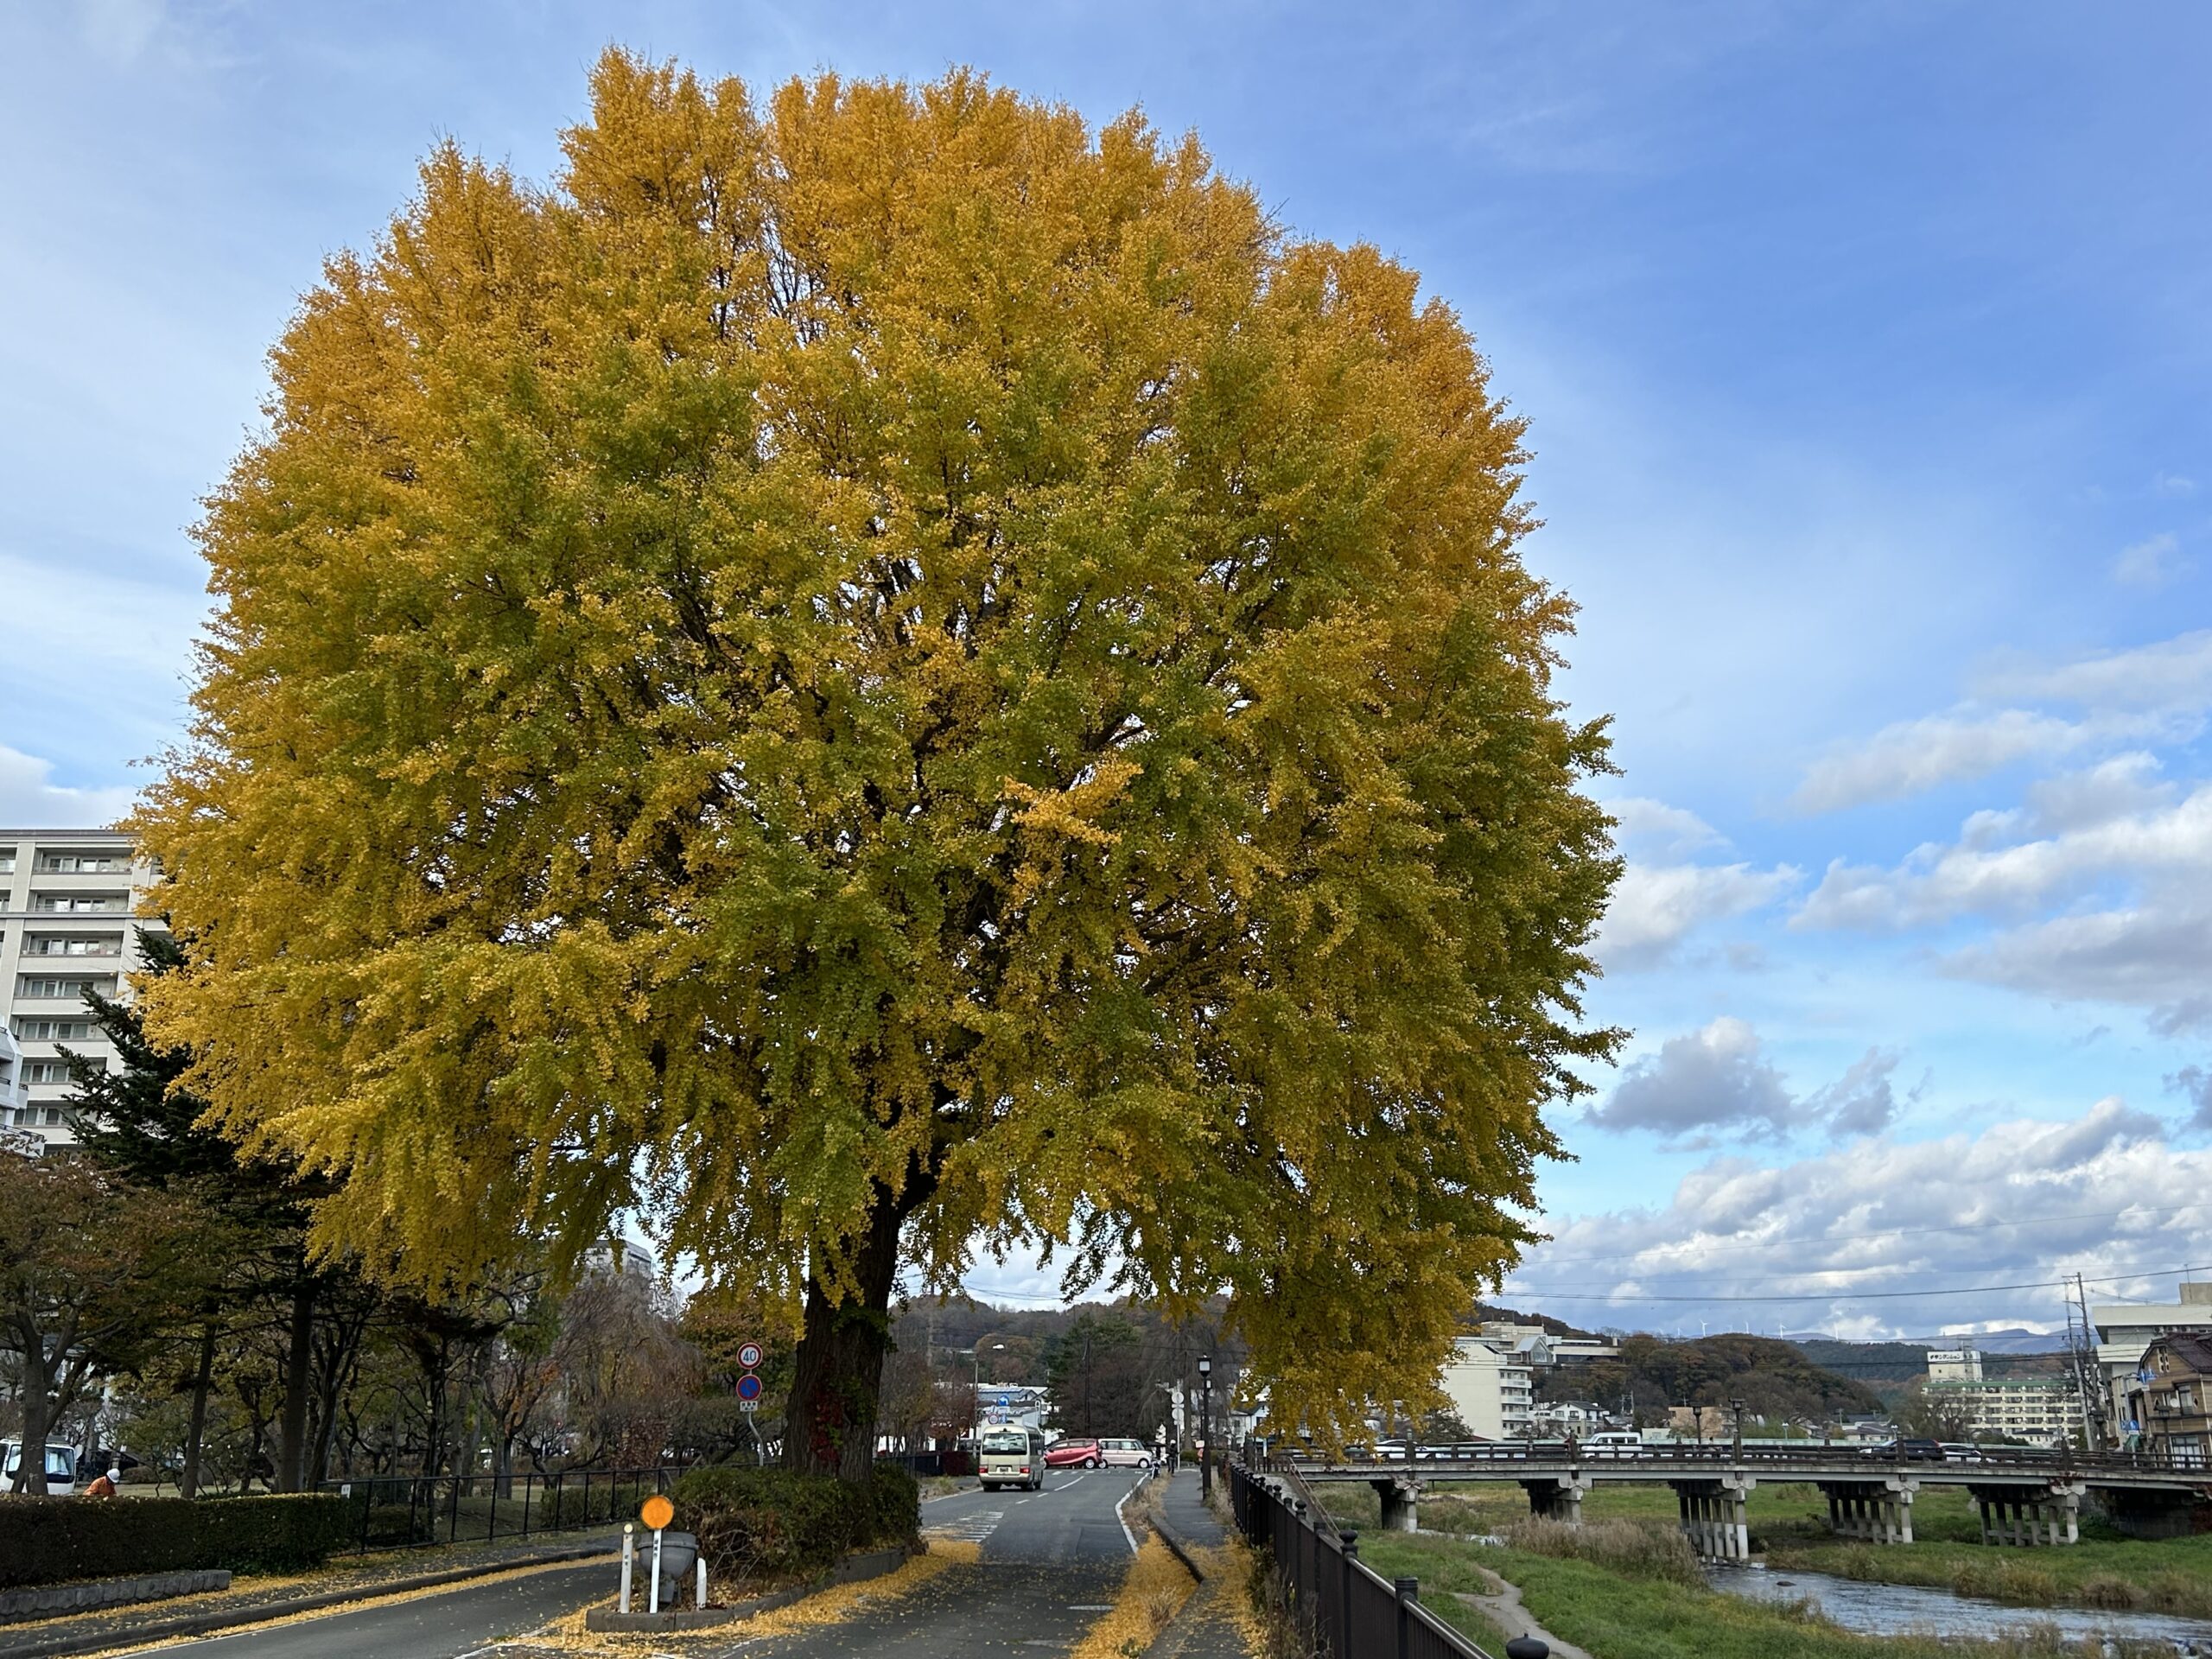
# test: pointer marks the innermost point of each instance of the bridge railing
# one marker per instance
(1339, 1603)
(1432, 1459)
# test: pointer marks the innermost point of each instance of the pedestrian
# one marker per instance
(105, 1486)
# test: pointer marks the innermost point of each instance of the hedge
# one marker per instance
(758, 1526)
(47, 1539)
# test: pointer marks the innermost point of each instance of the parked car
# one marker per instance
(60, 1467)
(1962, 1452)
(1125, 1454)
(1072, 1454)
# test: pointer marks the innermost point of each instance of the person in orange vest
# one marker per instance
(105, 1486)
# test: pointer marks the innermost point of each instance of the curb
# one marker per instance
(1182, 1551)
(206, 1624)
(853, 1569)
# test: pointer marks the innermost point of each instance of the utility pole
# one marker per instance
(2086, 1368)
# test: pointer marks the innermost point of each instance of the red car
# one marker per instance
(1072, 1454)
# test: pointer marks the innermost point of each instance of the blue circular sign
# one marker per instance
(748, 1387)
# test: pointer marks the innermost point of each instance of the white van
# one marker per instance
(1615, 1442)
(1011, 1457)
(60, 1468)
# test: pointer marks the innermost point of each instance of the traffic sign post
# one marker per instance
(749, 1357)
(748, 1387)
(656, 1513)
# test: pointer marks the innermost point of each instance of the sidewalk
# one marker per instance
(1207, 1628)
(254, 1600)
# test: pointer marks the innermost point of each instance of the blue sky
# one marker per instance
(1865, 351)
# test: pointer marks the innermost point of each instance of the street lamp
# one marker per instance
(975, 1390)
(1205, 1429)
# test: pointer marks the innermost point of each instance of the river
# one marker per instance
(1906, 1609)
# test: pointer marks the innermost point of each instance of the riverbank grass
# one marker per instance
(1617, 1616)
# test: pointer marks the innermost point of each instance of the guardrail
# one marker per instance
(1341, 1605)
(414, 1512)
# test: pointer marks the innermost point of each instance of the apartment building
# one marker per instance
(1492, 1387)
(67, 898)
(2041, 1410)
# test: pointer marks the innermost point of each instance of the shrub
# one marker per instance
(47, 1539)
(765, 1525)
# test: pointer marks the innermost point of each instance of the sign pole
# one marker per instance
(629, 1554)
(652, 1595)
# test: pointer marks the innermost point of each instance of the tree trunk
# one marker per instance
(292, 1431)
(202, 1379)
(38, 1416)
(838, 1370)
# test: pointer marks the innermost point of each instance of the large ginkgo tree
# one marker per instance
(875, 675)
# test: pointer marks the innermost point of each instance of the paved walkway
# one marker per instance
(1207, 1628)
(1505, 1611)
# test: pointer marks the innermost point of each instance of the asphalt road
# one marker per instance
(431, 1624)
(1051, 1562)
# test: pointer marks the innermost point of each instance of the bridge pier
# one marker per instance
(1400, 1498)
(1558, 1498)
(2029, 1517)
(1876, 1511)
(1713, 1517)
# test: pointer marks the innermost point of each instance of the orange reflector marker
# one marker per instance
(656, 1513)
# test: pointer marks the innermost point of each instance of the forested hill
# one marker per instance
(1772, 1378)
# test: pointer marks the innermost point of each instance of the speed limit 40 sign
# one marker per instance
(749, 1357)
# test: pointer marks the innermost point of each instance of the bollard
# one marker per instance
(1408, 1592)
(629, 1552)
(652, 1595)
(702, 1602)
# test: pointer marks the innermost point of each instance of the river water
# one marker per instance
(1904, 1609)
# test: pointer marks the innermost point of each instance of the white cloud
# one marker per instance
(29, 799)
(1866, 1217)
(1982, 873)
(2174, 675)
(1655, 828)
(2171, 484)
(2152, 562)
(1718, 1080)
(1655, 907)
(1914, 755)
(2156, 957)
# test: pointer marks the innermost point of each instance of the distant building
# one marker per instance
(1954, 1365)
(1491, 1383)
(2125, 1332)
(67, 925)
(622, 1255)
(2169, 1400)
(2040, 1410)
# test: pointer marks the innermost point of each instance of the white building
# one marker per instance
(1955, 1365)
(2125, 1330)
(1491, 1383)
(2041, 1410)
(66, 926)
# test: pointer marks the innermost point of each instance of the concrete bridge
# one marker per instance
(2026, 1497)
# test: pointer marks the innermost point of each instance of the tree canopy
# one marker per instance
(875, 674)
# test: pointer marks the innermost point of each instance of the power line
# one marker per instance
(1909, 1232)
(1843, 1295)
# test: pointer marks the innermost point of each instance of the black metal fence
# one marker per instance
(412, 1511)
(1346, 1609)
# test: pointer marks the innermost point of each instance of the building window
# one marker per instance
(33, 987)
(53, 1031)
(83, 863)
(46, 1071)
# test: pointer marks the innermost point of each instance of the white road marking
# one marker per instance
(1123, 1519)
